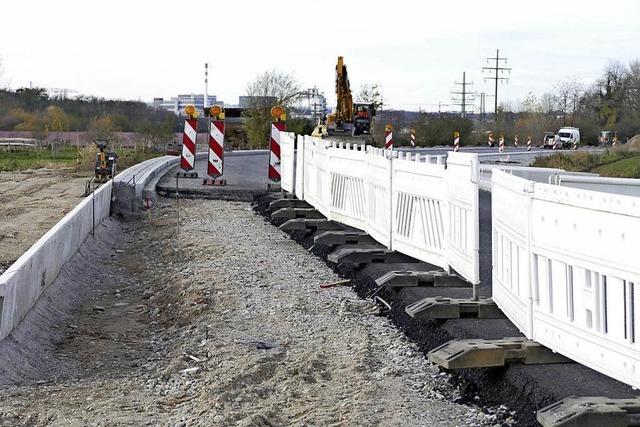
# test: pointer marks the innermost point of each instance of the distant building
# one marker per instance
(256, 101)
(311, 105)
(177, 104)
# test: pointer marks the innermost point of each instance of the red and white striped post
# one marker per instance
(615, 141)
(278, 125)
(501, 145)
(456, 141)
(515, 141)
(528, 143)
(491, 140)
(215, 165)
(188, 157)
(413, 138)
(388, 136)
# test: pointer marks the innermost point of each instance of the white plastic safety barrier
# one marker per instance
(348, 186)
(415, 204)
(287, 161)
(420, 195)
(299, 172)
(379, 203)
(565, 269)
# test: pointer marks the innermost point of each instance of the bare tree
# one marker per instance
(567, 96)
(371, 93)
(633, 86)
(267, 90)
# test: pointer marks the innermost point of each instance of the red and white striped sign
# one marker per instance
(528, 143)
(501, 146)
(188, 157)
(388, 137)
(413, 137)
(456, 142)
(216, 149)
(614, 142)
(515, 141)
(491, 140)
(274, 156)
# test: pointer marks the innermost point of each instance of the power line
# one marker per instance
(463, 98)
(498, 72)
(483, 104)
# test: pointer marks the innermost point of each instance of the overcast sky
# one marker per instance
(415, 50)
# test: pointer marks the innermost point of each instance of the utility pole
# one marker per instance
(463, 98)
(498, 70)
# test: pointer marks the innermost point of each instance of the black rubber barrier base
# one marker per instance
(523, 388)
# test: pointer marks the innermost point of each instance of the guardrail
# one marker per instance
(24, 281)
(416, 204)
(565, 269)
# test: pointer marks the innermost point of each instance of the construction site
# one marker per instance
(362, 252)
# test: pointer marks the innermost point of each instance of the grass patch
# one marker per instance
(625, 168)
(36, 158)
(81, 160)
(620, 164)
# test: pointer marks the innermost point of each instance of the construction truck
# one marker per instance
(105, 162)
(349, 118)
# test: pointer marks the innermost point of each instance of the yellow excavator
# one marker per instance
(349, 118)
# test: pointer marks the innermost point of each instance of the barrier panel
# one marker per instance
(378, 193)
(463, 218)
(24, 281)
(510, 211)
(287, 161)
(565, 271)
(419, 205)
(348, 185)
(299, 171)
(316, 174)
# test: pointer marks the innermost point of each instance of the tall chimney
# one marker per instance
(206, 85)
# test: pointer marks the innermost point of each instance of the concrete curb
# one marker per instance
(26, 279)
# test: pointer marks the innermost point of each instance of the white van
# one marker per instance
(568, 137)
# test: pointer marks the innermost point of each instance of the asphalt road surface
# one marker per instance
(244, 172)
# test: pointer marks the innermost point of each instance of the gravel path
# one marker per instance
(220, 320)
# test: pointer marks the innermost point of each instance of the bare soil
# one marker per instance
(31, 202)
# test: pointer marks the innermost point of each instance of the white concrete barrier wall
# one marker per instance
(411, 203)
(565, 271)
(24, 281)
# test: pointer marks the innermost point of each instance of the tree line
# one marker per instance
(33, 110)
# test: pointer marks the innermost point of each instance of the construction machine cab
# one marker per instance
(105, 162)
(363, 116)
